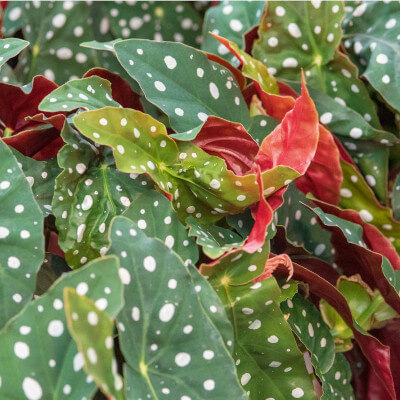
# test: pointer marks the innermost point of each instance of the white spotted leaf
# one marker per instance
(269, 364)
(153, 213)
(371, 36)
(170, 343)
(41, 176)
(38, 358)
(89, 192)
(9, 48)
(93, 331)
(21, 237)
(182, 82)
(88, 93)
(181, 169)
(230, 19)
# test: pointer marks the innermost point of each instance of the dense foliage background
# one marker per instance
(199, 200)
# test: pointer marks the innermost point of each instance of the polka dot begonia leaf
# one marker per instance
(268, 362)
(39, 359)
(182, 82)
(178, 21)
(153, 213)
(180, 168)
(169, 339)
(356, 195)
(41, 177)
(261, 126)
(89, 93)
(214, 239)
(93, 331)
(309, 34)
(371, 36)
(21, 237)
(88, 194)
(301, 225)
(307, 323)
(12, 20)
(230, 19)
(9, 48)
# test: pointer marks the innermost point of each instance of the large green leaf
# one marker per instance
(177, 21)
(371, 34)
(12, 20)
(200, 184)
(41, 176)
(268, 361)
(38, 358)
(89, 93)
(21, 237)
(301, 225)
(93, 331)
(230, 19)
(153, 213)
(88, 194)
(170, 341)
(9, 48)
(183, 83)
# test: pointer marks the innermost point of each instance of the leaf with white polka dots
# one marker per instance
(21, 237)
(182, 82)
(88, 93)
(371, 35)
(9, 48)
(308, 34)
(88, 194)
(337, 381)
(93, 331)
(153, 213)
(38, 358)
(198, 183)
(171, 345)
(261, 126)
(307, 323)
(214, 239)
(269, 364)
(301, 225)
(230, 19)
(56, 31)
(178, 21)
(12, 20)
(357, 195)
(41, 176)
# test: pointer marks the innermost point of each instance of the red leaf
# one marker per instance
(120, 89)
(229, 141)
(293, 143)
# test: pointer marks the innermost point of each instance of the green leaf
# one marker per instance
(268, 361)
(170, 341)
(38, 358)
(214, 240)
(88, 93)
(199, 183)
(301, 225)
(177, 21)
(307, 323)
(93, 330)
(371, 34)
(88, 194)
(153, 213)
(396, 198)
(184, 84)
(21, 237)
(12, 20)
(356, 195)
(41, 176)
(261, 126)
(230, 19)
(9, 48)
